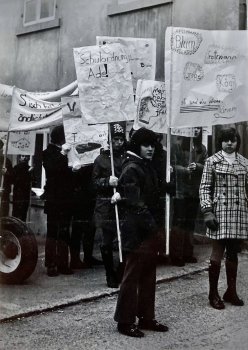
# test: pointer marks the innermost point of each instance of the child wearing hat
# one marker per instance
(104, 183)
(139, 189)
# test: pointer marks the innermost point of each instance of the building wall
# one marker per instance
(43, 60)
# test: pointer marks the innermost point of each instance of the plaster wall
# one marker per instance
(210, 15)
(43, 60)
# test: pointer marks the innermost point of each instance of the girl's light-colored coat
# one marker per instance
(223, 190)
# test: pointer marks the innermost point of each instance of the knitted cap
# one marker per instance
(118, 129)
(142, 136)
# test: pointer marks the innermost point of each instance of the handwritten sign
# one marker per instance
(85, 140)
(5, 106)
(186, 132)
(22, 142)
(206, 77)
(151, 106)
(3, 137)
(104, 83)
(141, 55)
(30, 113)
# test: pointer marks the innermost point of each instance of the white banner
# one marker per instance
(29, 113)
(22, 142)
(104, 82)
(84, 140)
(151, 106)
(5, 107)
(206, 76)
(141, 55)
(7, 90)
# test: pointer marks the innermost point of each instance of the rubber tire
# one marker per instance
(29, 250)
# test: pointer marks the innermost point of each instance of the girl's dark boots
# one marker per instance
(230, 295)
(214, 298)
(107, 257)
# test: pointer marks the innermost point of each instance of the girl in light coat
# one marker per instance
(223, 198)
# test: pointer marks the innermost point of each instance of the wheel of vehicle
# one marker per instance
(18, 251)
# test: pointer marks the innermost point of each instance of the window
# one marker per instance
(38, 11)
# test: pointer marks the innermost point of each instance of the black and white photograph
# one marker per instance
(123, 175)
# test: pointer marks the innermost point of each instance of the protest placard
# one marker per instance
(5, 107)
(186, 132)
(151, 106)
(85, 140)
(3, 138)
(104, 83)
(21, 142)
(141, 54)
(30, 113)
(206, 77)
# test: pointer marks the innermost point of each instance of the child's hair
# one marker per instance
(226, 135)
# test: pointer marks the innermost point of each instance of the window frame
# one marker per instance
(38, 20)
(135, 5)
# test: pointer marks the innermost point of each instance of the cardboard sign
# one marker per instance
(22, 142)
(85, 141)
(151, 106)
(141, 55)
(105, 84)
(3, 138)
(187, 132)
(5, 107)
(206, 77)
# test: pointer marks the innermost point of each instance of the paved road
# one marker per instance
(182, 304)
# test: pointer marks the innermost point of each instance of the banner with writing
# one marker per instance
(30, 113)
(85, 140)
(104, 83)
(141, 55)
(206, 76)
(151, 106)
(22, 142)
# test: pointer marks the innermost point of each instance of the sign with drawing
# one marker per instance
(141, 55)
(22, 142)
(206, 76)
(104, 83)
(84, 141)
(151, 106)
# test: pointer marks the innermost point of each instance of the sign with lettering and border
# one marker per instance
(206, 76)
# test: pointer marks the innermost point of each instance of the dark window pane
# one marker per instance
(47, 8)
(30, 13)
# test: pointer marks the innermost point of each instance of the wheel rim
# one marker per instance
(9, 264)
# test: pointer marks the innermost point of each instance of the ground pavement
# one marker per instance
(41, 293)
